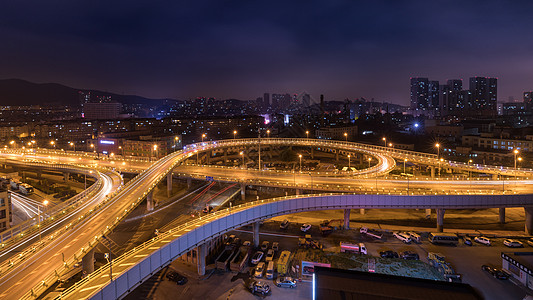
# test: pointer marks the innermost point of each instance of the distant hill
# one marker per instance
(22, 92)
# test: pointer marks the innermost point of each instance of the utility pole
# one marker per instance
(259, 142)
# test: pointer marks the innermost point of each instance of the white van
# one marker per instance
(270, 270)
(415, 237)
(404, 237)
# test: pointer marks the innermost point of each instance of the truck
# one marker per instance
(438, 261)
(371, 233)
(308, 242)
(353, 248)
(325, 230)
(14, 184)
(25, 189)
(222, 261)
(283, 263)
(240, 259)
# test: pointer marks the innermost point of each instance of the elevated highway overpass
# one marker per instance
(106, 216)
(122, 275)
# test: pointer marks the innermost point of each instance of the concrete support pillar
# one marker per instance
(362, 211)
(346, 219)
(243, 191)
(502, 215)
(428, 213)
(66, 176)
(312, 153)
(87, 262)
(225, 155)
(39, 174)
(256, 234)
(529, 220)
(432, 172)
(150, 201)
(440, 219)
(200, 258)
(298, 191)
(189, 183)
(169, 183)
(337, 155)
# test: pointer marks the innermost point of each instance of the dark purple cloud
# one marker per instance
(241, 49)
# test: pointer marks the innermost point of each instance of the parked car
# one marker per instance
(247, 243)
(176, 277)
(259, 270)
(284, 224)
(415, 237)
(270, 255)
(257, 257)
(530, 242)
(410, 255)
(495, 272)
(275, 246)
(388, 254)
(402, 236)
(512, 243)
(257, 287)
(305, 227)
(482, 240)
(467, 241)
(286, 282)
(264, 245)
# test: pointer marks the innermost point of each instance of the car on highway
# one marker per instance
(305, 227)
(208, 209)
(275, 246)
(284, 224)
(482, 240)
(402, 236)
(270, 255)
(287, 281)
(264, 245)
(513, 243)
(257, 287)
(495, 272)
(259, 270)
(467, 241)
(176, 277)
(257, 257)
(388, 254)
(409, 255)
(530, 242)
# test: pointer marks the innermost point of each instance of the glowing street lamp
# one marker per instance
(515, 153)
(45, 203)
(349, 167)
(390, 145)
(53, 143)
(307, 133)
(203, 136)
(384, 141)
(268, 133)
(440, 161)
(520, 160)
(12, 143)
(469, 162)
(234, 133)
(346, 136)
(242, 155)
(369, 159)
(72, 145)
(438, 150)
(300, 156)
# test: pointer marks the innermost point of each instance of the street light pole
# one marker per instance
(385, 141)
(234, 133)
(300, 156)
(404, 160)
(349, 167)
(346, 136)
(242, 155)
(515, 153)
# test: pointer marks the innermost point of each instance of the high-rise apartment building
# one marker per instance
(101, 111)
(484, 92)
(419, 93)
(266, 100)
(528, 100)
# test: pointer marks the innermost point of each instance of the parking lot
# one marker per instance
(466, 260)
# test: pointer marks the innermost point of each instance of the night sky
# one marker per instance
(241, 49)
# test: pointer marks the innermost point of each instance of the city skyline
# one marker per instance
(340, 49)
